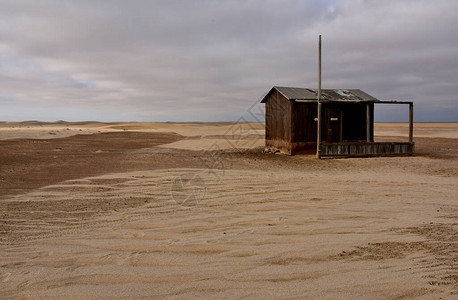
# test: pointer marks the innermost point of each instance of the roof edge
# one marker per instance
(294, 93)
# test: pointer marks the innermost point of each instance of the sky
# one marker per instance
(203, 60)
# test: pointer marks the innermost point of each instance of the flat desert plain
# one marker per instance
(94, 210)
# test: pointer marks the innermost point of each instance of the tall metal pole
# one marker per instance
(318, 131)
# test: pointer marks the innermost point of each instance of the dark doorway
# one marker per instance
(333, 123)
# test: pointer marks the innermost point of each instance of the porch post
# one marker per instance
(368, 122)
(410, 122)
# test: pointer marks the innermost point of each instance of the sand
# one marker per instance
(198, 211)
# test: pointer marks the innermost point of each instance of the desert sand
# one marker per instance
(95, 210)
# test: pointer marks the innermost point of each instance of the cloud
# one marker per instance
(210, 60)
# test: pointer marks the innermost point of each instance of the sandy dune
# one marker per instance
(178, 219)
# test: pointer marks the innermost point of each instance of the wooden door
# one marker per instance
(333, 123)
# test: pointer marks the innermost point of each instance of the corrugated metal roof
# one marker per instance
(296, 93)
(293, 93)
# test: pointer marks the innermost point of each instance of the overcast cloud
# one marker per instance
(208, 60)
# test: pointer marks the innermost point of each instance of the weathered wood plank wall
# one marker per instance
(278, 122)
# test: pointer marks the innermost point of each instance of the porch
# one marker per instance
(336, 146)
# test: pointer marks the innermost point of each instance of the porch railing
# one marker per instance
(367, 148)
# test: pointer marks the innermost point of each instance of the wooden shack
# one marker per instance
(347, 125)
